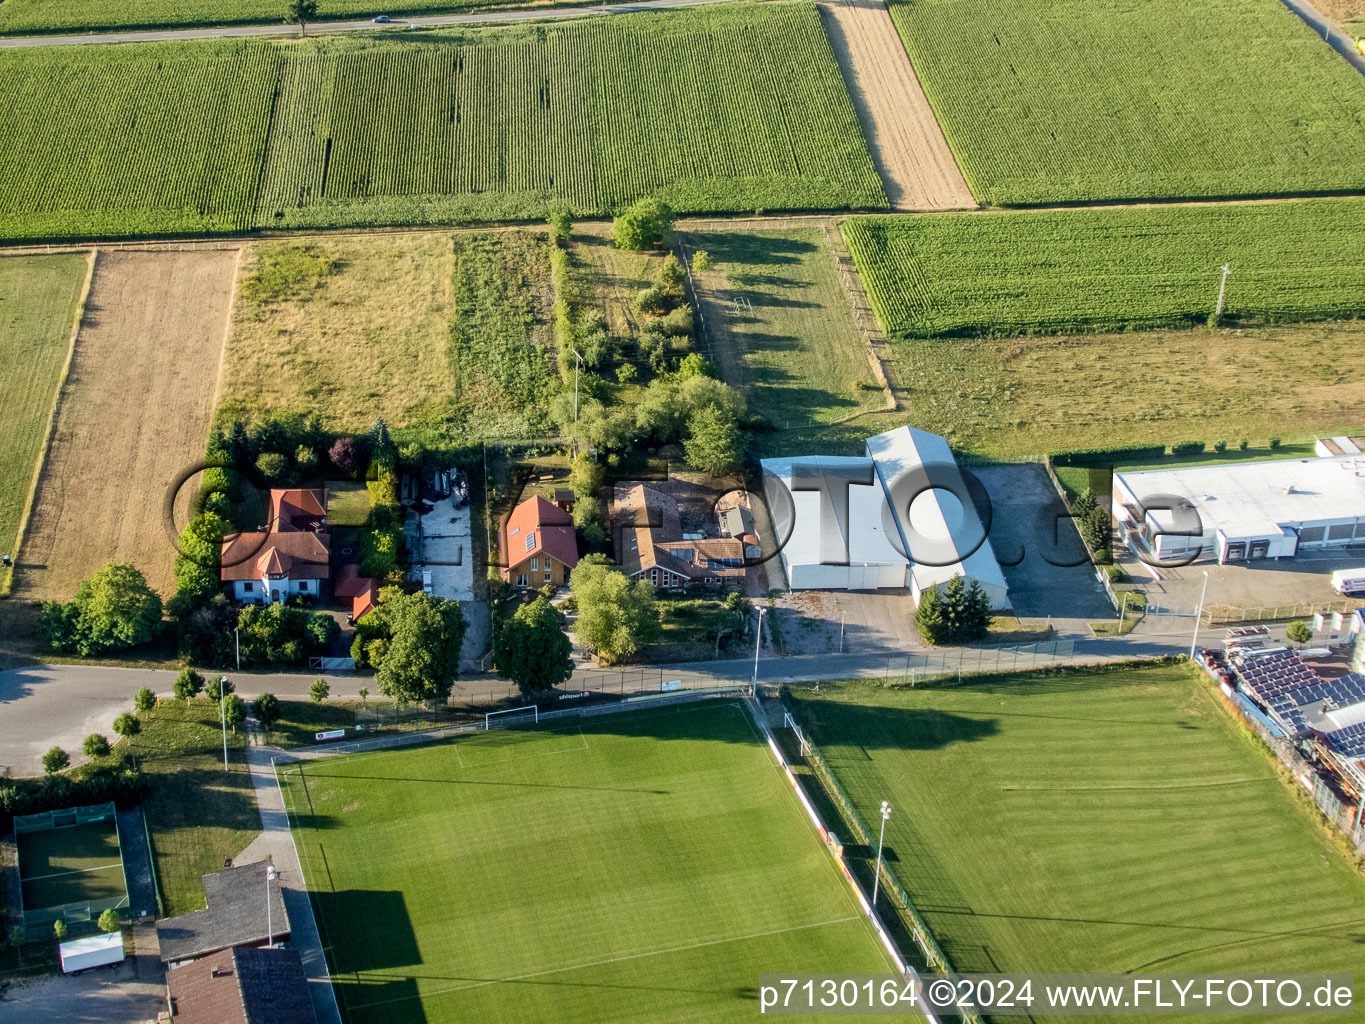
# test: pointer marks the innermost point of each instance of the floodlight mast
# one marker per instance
(877, 878)
(269, 924)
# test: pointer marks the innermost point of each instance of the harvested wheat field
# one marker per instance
(907, 146)
(133, 416)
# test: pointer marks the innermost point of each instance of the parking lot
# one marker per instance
(1266, 583)
(1038, 548)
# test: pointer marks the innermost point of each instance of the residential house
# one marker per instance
(292, 555)
(538, 544)
(242, 985)
(650, 544)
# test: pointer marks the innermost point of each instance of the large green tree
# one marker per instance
(713, 443)
(533, 650)
(421, 658)
(644, 225)
(113, 610)
(616, 615)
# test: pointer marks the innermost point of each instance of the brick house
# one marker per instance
(537, 543)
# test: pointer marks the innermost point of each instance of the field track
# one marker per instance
(907, 145)
(133, 414)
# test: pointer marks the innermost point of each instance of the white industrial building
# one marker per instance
(1246, 510)
(864, 546)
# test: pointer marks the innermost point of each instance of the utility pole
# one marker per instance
(1222, 291)
(842, 616)
(1198, 614)
(237, 634)
(222, 715)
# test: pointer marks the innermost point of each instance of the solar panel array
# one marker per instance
(1284, 683)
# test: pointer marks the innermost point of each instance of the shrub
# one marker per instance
(272, 465)
(188, 684)
(651, 300)
(671, 276)
(1187, 448)
(1243, 445)
(144, 701)
(55, 760)
(1299, 632)
(678, 322)
(127, 725)
(266, 708)
(319, 690)
(1274, 443)
(701, 261)
(219, 688)
(1220, 446)
(561, 227)
(1107, 456)
(305, 457)
(110, 922)
(95, 745)
(345, 455)
(626, 373)
(59, 929)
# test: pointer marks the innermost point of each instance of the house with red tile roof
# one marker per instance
(291, 556)
(650, 544)
(537, 543)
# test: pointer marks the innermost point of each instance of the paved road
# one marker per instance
(1335, 38)
(483, 17)
(61, 704)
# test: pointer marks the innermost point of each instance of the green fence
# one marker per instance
(935, 956)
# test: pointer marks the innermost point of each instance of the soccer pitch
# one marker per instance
(639, 866)
(1116, 821)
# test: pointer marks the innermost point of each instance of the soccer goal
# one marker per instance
(511, 716)
(790, 723)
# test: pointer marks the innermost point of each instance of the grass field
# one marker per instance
(1113, 269)
(71, 865)
(366, 338)
(1048, 102)
(734, 107)
(1037, 394)
(38, 296)
(626, 868)
(1113, 821)
(794, 349)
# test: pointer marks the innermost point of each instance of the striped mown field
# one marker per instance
(1093, 822)
(628, 867)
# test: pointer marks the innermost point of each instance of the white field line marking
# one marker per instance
(610, 960)
(74, 871)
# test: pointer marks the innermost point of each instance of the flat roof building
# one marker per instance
(892, 518)
(1243, 511)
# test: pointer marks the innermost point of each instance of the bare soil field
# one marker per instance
(133, 416)
(907, 146)
(368, 337)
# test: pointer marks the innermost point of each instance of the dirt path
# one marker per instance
(907, 145)
(133, 415)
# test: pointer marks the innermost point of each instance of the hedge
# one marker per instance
(1109, 456)
(33, 796)
(1188, 448)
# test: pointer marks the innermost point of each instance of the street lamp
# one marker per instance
(877, 878)
(269, 924)
(1198, 614)
(222, 715)
(758, 639)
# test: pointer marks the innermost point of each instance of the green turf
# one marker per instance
(1047, 101)
(38, 296)
(1096, 822)
(632, 867)
(71, 865)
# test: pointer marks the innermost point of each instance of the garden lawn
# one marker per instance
(1112, 269)
(1051, 101)
(624, 867)
(38, 297)
(1097, 821)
